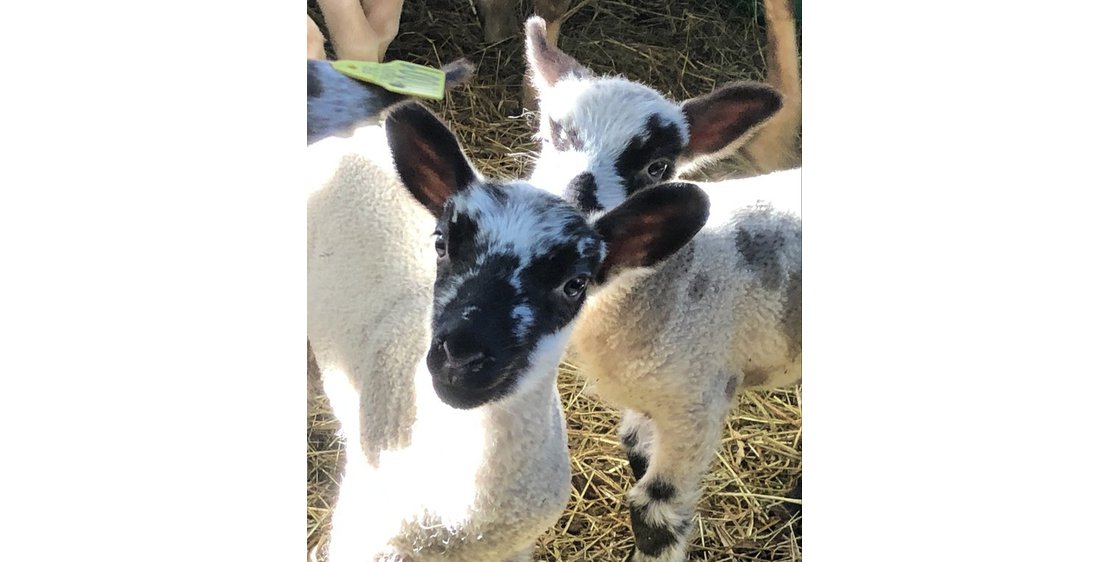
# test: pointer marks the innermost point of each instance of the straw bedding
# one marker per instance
(683, 48)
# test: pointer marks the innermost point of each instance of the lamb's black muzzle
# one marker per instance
(465, 374)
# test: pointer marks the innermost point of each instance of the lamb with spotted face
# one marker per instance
(439, 306)
(672, 348)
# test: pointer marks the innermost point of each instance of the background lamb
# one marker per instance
(482, 476)
(722, 314)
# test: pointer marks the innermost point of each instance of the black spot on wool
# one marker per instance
(761, 250)
(582, 192)
(698, 287)
(660, 490)
(565, 138)
(651, 539)
(639, 464)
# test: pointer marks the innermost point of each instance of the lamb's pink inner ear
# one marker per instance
(723, 116)
(547, 63)
(427, 155)
(650, 226)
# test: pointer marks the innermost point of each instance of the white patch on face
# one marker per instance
(607, 113)
(523, 320)
(452, 288)
(588, 246)
(527, 224)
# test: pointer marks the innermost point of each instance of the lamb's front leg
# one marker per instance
(662, 502)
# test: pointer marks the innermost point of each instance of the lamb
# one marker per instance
(438, 352)
(722, 314)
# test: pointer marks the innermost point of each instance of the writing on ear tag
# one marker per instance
(397, 76)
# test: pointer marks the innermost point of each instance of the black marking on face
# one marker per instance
(479, 347)
(651, 540)
(565, 138)
(660, 490)
(762, 250)
(460, 235)
(476, 322)
(542, 282)
(792, 314)
(698, 286)
(659, 143)
(582, 192)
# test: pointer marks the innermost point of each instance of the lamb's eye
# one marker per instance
(441, 244)
(658, 168)
(575, 286)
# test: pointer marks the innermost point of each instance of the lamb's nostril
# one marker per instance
(462, 357)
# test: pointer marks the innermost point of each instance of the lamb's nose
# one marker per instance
(462, 356)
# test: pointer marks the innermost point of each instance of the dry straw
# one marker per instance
(683, 48)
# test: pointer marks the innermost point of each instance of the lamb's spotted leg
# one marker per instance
(636, 436)
(662, 502)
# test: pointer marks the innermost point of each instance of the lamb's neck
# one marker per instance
(492, 426)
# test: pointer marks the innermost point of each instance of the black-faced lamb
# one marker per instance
(440, 304)
(672, 348)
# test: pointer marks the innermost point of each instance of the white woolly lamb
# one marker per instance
(438, 354)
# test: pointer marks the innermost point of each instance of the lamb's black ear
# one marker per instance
(546, 63)
(725, 115)
(650, 226)
(428, 157)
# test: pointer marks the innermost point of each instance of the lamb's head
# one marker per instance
(605, 138)
(515, 263)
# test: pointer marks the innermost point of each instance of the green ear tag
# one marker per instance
(396, 76)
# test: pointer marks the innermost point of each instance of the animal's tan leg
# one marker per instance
(552, 11)
(315, 41)
(498, 18)
(775, 145)
(384, 17)
(351, 34)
